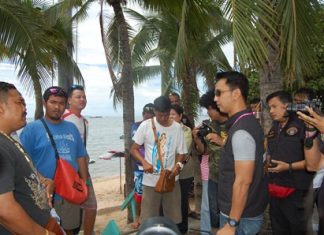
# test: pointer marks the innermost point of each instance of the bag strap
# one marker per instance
(85, 133)
(157, 143)
(51, 138)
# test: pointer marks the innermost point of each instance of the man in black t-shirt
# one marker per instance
(24, 194)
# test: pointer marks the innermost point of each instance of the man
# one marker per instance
(174, 98)
(211, 143)
(77, 101)
(148, 112)
(69, 144)
(24, 202)
(242, 190)
(172, 149)
(287, 168)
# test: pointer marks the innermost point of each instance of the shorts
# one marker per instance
(138, 178)
(69, 214)
(153, 201)
(91, 202)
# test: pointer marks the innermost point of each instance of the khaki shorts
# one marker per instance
(91, 202)
(69, 214)
(152, 201)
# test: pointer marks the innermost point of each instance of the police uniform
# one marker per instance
(287, 144)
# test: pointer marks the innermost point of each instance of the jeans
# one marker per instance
(205, 225)
(247, 226)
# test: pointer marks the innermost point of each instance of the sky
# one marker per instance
(92, 62)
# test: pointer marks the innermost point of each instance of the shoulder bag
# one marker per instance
(166, 180)
(67, 182)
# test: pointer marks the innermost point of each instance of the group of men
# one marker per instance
(247, 170)
(27, 195)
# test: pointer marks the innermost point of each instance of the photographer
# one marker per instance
(209, 138)
(314, 157)
(289, 182)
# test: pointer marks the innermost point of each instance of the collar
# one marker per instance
(230, 122)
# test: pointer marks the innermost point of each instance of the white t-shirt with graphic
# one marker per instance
(171, 140)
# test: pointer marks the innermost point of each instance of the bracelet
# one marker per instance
(180, 164)
(290, 168)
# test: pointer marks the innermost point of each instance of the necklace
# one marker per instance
(20, 148)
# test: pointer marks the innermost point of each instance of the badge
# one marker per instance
(292, 131)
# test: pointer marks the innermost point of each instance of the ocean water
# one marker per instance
(104, 136)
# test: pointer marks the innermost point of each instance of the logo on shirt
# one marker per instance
(292, 131)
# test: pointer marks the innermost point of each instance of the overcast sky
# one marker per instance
(91, 60)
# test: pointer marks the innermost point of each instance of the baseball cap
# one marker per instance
(54, 90)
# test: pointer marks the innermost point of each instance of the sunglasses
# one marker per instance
(57, 91)
(220, 92)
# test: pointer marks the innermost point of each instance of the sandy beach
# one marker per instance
(109, 199)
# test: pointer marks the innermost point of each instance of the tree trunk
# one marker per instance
(190, 92)
(38, 99)
(271, 81)
(128, 95)
(65, 73)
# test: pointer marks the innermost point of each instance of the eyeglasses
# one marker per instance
(148, 109)
(219, 92)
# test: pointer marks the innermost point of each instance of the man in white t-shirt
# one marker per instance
(77, 101)
(173, 149)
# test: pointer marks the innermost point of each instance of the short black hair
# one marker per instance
(207, 100)
(162, 104)
(283, 96)
(305, 91)
(177, 108)
(4, 89)
(255, 100)
(148, 108)
(73, 88)
(235, 80)
(56, 91)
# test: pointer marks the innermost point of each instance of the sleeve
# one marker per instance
(181, 146)
(243, 146)
(81, 150)
(139, 136)
(26, 139)
(7, 172)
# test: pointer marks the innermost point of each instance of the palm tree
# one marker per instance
(32, 40)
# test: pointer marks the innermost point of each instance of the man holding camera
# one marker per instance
(289, 182)
(209, 138)
(242, 193)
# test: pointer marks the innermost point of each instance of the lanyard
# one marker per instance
(241, 116)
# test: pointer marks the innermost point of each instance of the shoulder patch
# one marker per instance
(292, 131)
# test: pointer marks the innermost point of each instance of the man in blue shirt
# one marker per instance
(69, 146)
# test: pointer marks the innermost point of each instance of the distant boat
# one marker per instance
(96, 116)
(91, 161)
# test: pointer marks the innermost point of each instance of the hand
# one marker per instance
(195, 132)
(312, 119)
(176, 170)
(147, 167)
(281, 166)
(49, 185)
(215, 138)
(226, 230)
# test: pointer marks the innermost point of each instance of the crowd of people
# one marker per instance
(243, 169)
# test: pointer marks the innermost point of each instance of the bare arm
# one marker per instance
(14, 218)
(83, 167)
(284, 166)
(147, 167)
(313, 157)
(243, 179)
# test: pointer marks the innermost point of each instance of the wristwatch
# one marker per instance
(232, 222)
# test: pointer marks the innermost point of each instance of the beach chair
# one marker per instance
(130, 201)
(111, 228)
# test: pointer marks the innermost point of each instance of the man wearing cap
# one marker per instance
(77, 101)
(148, 112)
(172, 150)
(69, 145)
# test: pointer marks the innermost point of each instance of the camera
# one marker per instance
(204, 130)
(316, 104)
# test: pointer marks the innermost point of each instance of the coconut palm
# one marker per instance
(32, 41)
